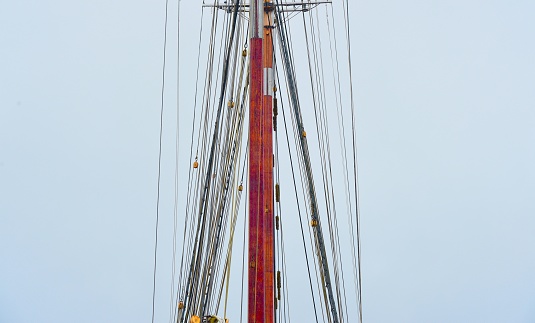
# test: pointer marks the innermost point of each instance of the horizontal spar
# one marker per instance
(244, 7)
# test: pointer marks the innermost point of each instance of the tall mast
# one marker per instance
(268, 159)
(261, 236)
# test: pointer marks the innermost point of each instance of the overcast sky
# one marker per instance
(445, 93)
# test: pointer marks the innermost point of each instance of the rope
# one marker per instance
(298, 209)
(318, 235)
(354, 141)
(173, 302)
(159, 162)
(213, 201)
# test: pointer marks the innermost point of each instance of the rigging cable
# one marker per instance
(318, 235)
(354, 139)
(342, 138)
(191, 151)
(298, 207)
(313, 75)
(192, 250)
(204, 302)
(327, 170)
(300, 158)
(159, 161)
(177, 149)
(284, 315)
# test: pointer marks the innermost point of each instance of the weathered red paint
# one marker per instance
(256, 189)
(267, 158)
(261, 229)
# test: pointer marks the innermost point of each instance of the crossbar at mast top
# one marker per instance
(285, 6)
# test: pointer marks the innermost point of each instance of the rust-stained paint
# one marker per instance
(261, 222)
(267, 158)
(256, 197)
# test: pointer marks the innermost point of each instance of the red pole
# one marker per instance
(267, 157)
(256, 277)
(261, 234)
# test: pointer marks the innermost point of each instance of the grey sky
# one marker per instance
(446, 125)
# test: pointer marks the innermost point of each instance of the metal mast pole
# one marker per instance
(261, 264)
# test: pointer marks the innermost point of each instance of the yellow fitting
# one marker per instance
(304, 133)
(195, 164)
(240, 188)
(314, 223)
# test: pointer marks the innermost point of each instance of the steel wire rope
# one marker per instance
(289, 67)
(235, 218)
(211, 179)
(277, 210)
(317, 76)
(237, 131)
(207, 212)
(278, 213)
(208, 87)
(159, 162)
(191, 244)
(244, 244)
(192, 249)
(236, 140)
(341, 127)
(188, 199)
(333, 222)
(354, 140)
(317, 103)
(220, 166)
(298, 132)
(234, 128)
(285, 311)
(177, 148)
(191, 155)
(279, 247)
(223, 187)
(323, 139)
(327, 291)
(298, 207)
(330, 172)
(203, 117)
(294, 133)
(216, 128)
(323, 150)
(208, 78)
(318, 234)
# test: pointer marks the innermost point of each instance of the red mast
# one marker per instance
(261, 235)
